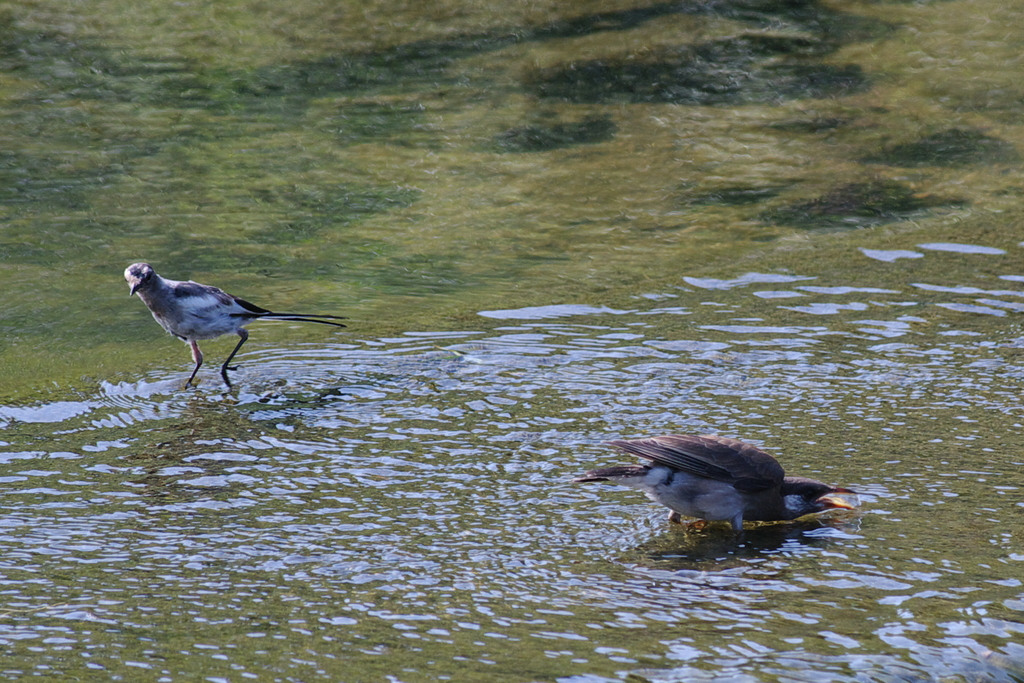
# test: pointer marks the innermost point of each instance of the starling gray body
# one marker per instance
(717, 479)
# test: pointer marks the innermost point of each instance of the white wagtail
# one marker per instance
(191, 311)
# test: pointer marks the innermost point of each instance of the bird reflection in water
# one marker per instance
(715, 549)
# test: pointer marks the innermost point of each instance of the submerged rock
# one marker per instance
(734, 195)
(816, 124)
(734, 70)
(542, 137)
(952, 147)
(856, 205)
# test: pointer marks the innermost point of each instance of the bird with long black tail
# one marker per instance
(193, 312)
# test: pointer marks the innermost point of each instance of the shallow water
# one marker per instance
(541, 246)
(403, 506)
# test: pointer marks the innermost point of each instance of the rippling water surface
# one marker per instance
(550, 225)
(402, 507)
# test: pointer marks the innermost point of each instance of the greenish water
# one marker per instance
(550, 226)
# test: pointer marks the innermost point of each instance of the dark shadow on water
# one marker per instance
(544, 136)
(856, 205)
(732, 195)
(816, 124)
(312, 209)
(730, 71)
(66, 174)
(78, 69)
(425, 63)
(716, 547)
(952, 147)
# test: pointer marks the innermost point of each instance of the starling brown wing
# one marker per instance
(742, 465)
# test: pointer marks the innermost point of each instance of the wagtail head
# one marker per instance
(138, 276)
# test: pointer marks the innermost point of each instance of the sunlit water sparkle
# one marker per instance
(406, 502)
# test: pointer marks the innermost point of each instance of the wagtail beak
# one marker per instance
(135, 285)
